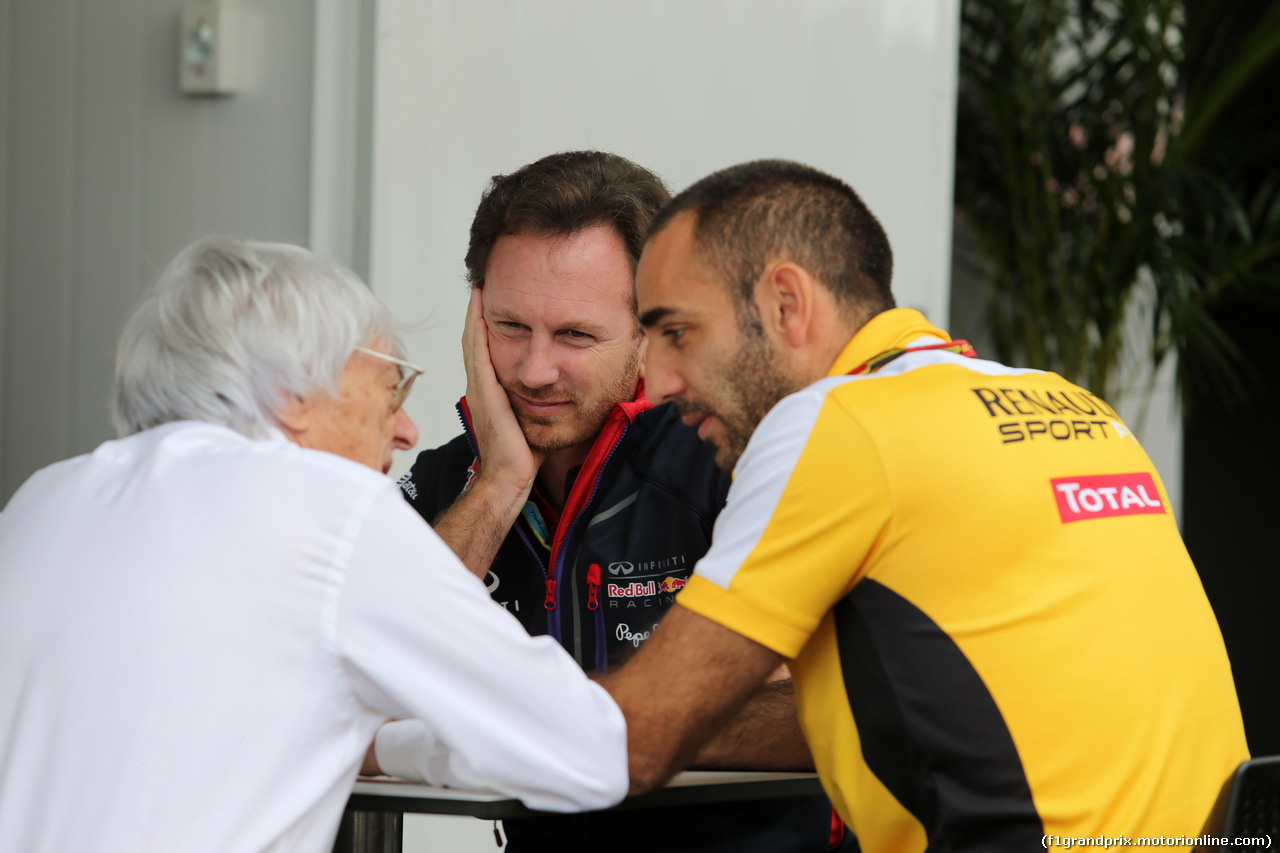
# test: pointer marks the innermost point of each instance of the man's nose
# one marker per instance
(661, 380)
(406, 434)
(539, 368)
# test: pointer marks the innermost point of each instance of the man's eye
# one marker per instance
(577, 335)
(675, 335)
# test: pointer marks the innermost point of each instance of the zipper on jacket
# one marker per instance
(555, 564)
(558, 561)
(593, 586)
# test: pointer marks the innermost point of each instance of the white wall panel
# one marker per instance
(341, 131)
(464, 90)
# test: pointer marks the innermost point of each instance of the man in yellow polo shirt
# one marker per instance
(995, 631)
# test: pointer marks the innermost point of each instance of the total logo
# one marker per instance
(1105, 496)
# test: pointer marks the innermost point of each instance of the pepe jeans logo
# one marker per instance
(635, 638)
(1107, 495)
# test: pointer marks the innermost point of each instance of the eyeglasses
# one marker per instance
(408, 373)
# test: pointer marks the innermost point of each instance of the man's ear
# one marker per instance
(785, 299)
(644, 349)
(294, 416)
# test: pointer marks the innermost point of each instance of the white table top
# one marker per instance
(386, 794)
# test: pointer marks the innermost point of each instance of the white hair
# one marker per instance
(232, 330)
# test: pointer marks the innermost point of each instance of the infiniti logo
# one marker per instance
(666, 565)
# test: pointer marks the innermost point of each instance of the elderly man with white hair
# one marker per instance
(204, 623)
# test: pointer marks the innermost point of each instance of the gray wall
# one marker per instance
(6, 9)
(106, 171)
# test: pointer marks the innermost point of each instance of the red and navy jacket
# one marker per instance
(637, 516)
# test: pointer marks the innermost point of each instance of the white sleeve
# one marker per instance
(408, 749)
(493, 708)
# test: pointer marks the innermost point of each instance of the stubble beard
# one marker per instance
(747, 386)
(584, 422)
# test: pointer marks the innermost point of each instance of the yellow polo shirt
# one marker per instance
(996, 631)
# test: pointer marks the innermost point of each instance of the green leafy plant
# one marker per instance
(1090, 180)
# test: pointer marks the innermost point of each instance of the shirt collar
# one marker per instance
(892, 329)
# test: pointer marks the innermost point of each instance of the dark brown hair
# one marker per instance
(562, 194)
(752, 213)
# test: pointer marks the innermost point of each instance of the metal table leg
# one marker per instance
(370, 832)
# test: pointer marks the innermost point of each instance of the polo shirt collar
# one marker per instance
(892, 329)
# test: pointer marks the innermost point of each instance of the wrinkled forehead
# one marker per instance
(580, 276)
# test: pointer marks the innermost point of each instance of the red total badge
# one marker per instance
(1106, 495)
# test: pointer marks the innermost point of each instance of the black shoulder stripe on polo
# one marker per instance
(930, 730)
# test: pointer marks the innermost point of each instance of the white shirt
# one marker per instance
(200, 634)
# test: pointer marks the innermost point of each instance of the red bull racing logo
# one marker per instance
(671, 585)
(644, 589)
(635, 589)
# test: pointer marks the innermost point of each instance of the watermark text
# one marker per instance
(1106, 842)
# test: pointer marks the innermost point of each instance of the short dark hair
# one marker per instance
(562, 194)
(748, 214)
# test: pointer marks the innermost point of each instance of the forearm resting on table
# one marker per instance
(763, 735)
(370, 767)
(684, 685)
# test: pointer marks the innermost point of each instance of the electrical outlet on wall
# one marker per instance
(209, 44)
